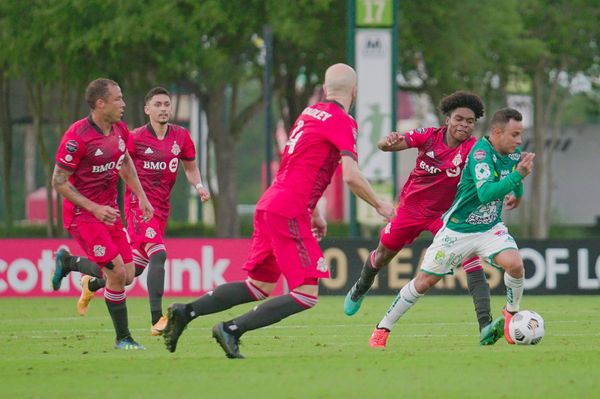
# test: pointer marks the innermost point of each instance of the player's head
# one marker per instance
(104, 97)
(462, 109)
(507, 130)
(340, 84)
(157, 105)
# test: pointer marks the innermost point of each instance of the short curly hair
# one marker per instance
(462, 99)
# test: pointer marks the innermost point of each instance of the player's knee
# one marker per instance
(138, 270)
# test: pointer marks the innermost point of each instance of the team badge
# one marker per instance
(479, 155)
(150, 233)
(71, 146)
(457, 160)
(175, 149)
(99, 250)
(322, 265)
(121, 144)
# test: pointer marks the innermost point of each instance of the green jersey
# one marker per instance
(487, 178)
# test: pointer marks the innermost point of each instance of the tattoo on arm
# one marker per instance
(60, 177)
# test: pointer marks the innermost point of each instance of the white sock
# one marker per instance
(407, 297)
(514, 292)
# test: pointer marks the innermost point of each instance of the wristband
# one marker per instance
(198, 186)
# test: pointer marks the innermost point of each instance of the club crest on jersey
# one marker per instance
(175, 149)
(322, 265)
(150, 233)
(121, 144)
(99, 250)
(479, 155)
(71, 146)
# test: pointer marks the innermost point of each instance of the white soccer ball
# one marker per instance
(526, 328)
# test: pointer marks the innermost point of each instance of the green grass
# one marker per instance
(47, 351)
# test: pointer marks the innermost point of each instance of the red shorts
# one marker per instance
(404, 228)
(284, 246)
(100, 242)
(143, 233)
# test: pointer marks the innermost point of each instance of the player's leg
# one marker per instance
(157, 257)
(400, 231)
(301, 261)
(66, 263)
(479, 290)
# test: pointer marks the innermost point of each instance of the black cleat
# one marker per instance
(177, 322)
(229, 343)
(60, 270)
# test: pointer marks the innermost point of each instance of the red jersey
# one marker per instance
(95, 160)
(156, 162)
(320, 136)
(431, 186)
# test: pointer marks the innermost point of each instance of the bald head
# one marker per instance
(340, 80)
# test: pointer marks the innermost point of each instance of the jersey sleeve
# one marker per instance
(417, 137)
(482, 169)
(188, 152)
(70, 151)
(344, 138)
(131, 145)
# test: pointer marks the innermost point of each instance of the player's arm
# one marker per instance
(60, 182)
(318, 224)
(360, 186)
(193, 176)
(130, 176)
(488, 191)
(393, 142)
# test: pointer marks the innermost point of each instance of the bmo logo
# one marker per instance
(109, 165)
(162, 165)
(431, 169)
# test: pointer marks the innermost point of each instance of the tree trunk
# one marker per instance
(30, 158)
(538, 227)
(225, 200)
(6, 127)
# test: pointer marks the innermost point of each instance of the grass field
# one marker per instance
(47, 351)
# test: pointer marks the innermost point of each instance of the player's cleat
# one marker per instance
(379, 338)
(352, 302)
(86, 296)
(159, 327)
(176, 323)
(507, 318)
(229, 343)
(60, 271)
(491, 333)
(128, 344)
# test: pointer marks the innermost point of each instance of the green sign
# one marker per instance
(374, 13)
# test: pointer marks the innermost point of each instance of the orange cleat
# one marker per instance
(507, 318)
(379, 338)
(158, 328)
(86, 296)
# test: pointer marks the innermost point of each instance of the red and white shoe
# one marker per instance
(507, 318)
(379, 338)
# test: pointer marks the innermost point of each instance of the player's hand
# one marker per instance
(511, 202)
(391, 140)
(387, 210)
(147, 210)
(203, 193)
(319, 226)
(106, 214)
(525, 166)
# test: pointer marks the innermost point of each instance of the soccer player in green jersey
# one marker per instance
(473, 225)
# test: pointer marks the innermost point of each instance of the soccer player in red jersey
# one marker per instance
(287, 223)
(427, 194)
(156, 149)
(91, 156)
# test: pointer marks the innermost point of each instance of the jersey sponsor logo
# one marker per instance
(148, 151)
(99, 250)
(173, 164)
(158, 165)
(479, 155)
(121, 144)
(150, 233)
(430, 169)
(457, 160)
(484, 214)
(98, 152)
(72, 146)
(109, 165)
(430, 154)
(453, 172)
(175, 149)
(482, 171)
(322, 265)
(504, 173)
(515, 157)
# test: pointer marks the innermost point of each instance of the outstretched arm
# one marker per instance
(393, 142)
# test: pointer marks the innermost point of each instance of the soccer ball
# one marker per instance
(526, 328)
